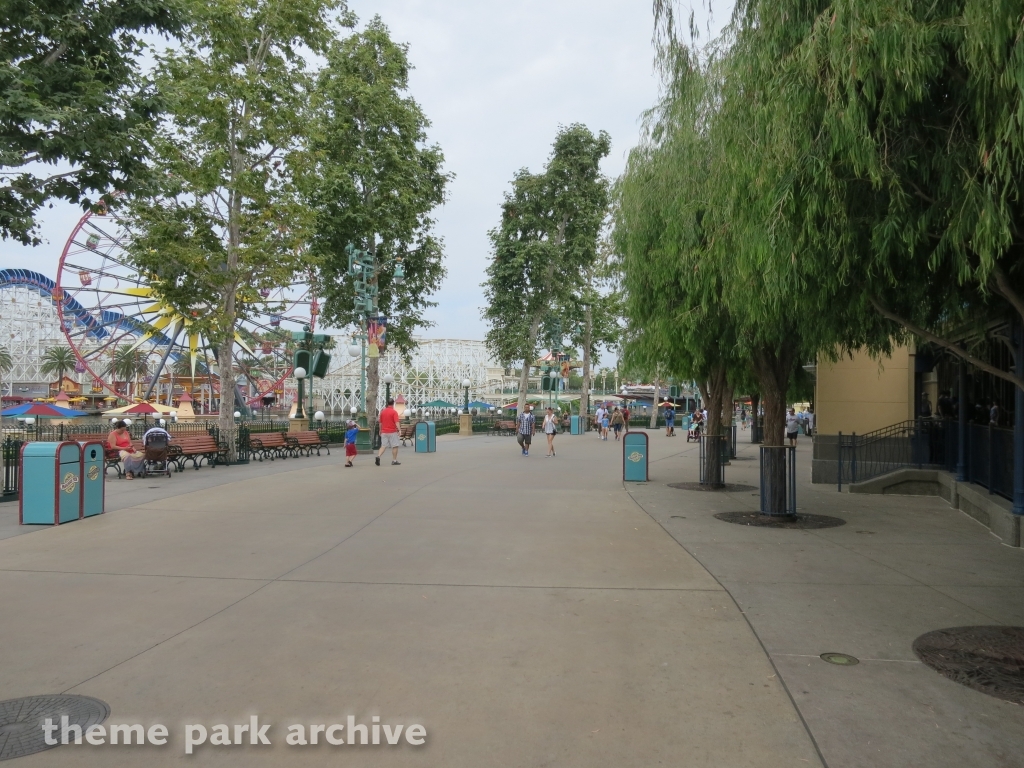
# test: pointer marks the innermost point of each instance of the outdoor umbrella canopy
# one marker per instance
(42, 411)
(139, 409)
(439, 404)
(478, 404)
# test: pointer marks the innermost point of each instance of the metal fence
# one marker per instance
(930, 444)
(12, 469)
(713, 450)
(778, 480)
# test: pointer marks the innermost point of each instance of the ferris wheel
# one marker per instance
(106, 307)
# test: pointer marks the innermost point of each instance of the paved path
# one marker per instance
(527, 611)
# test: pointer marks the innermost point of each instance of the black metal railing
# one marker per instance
(929, 444)
(12, 469)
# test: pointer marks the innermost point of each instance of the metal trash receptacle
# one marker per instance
(575, 425)
(635, 457)
(94, 479)
(426, 437)
(51, 483)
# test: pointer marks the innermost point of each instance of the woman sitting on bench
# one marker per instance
(121, 441)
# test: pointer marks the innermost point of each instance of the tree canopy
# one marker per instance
(76, 111)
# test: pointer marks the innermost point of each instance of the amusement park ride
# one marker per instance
(105, 305)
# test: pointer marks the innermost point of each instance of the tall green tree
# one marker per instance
(76, 111)
(545, 244)
(128, 364)
(57, 362)
(227, 219)
(377, 182)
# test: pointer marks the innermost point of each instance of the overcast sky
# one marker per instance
(496, 80)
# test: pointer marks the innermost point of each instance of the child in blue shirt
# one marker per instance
(350, 442)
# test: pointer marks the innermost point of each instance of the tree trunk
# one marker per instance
(226, 419)
(524, 377)
(655, 398)
(372, 389)
(773, 368)
(712, 391)
(588, 340)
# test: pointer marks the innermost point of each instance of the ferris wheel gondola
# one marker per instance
(106, 304)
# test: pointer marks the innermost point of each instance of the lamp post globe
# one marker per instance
(127, 422)
(465, 384)
(353, 410)
(237, 415)
(319, 415)
(388, 381)
(353, 350)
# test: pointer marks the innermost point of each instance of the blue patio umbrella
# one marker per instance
(42, 411)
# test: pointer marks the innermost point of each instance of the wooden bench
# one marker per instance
(269, 445)
(505, 427)
(111, 456)
(300, 443)
(195, 448)
(407, 432)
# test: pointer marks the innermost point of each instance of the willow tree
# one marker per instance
(225, 218)
(545, 244)
(677, 320)
(378, 179)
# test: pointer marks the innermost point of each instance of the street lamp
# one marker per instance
(300, 375)
(319, 416)
(174, 417)
(465, 384)
(388, 381)
(353, 410)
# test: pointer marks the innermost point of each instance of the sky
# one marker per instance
(496, 80)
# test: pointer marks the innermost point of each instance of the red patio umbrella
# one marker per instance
(141, 408)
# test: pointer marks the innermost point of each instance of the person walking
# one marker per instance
(388, 421)
(616, 422)
(625, 417)
(550, 428)
(351, 434)
(792, 426)
(524, 430)
(605, 418)
(599, 416)
(670, 421)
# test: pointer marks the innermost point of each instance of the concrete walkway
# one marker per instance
(901, 567)
(528, 612)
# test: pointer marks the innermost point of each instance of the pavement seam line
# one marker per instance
(364, 583)
(753, 631)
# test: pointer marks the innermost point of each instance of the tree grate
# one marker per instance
(21, 720)
(727, 488)
(798, 522)
(987, 659)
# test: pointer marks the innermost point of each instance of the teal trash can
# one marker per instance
(634, 457)
(426, 437)
(575, 425)
(51, 483)
(94, 479)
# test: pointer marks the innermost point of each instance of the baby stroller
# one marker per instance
(156, 460)
(694, 432)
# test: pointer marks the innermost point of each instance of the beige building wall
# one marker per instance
(863, 394)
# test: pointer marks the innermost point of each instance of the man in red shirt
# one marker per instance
(388, 421)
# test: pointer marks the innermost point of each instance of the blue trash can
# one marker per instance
(426, 437)
(635, 457)
(94, 479)
(51, 483)
(575, 425)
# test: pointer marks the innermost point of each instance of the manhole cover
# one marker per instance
(21, 720)
(840, 659)
(800, 522)
(987, 659)
(727, 488)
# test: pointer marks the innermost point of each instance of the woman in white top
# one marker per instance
(550, 427)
